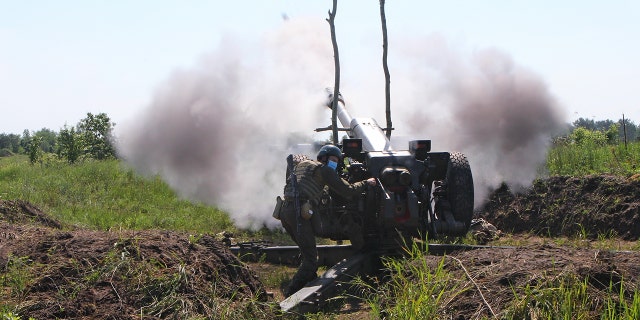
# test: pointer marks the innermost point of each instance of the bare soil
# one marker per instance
(75, 274)
(561, 229)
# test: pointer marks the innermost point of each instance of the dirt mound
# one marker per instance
(24, 212)
(592, 206)
(491, 281)
(51, 273)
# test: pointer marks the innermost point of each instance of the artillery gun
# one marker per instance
(420, 193)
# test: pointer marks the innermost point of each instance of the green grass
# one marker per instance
(415, 289)
(105, 195)
(591, 158)
(418, 290)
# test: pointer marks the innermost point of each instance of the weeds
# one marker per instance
(17, 276)
(589, 157)
(415, 290)
(104, 195)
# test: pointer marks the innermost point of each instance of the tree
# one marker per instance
(611, 134)
(48, 137)
(69, 144)
(34, 150)
(585, 137)
(630, 128)
(585, 123)
(604, 125)
(26, 137)
(96, 136)
(10, 142)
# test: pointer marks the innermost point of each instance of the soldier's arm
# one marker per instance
(339, 185)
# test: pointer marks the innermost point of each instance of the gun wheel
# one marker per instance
(459, 183)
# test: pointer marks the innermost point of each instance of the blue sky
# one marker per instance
(62, 59)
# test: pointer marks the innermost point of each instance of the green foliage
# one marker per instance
(48, 139)
(586, 151)
(105, 195)
(69, 144)
(584, 137)
(91, 137)
(622, 126)
(10, 142)
(590, 158)
(96, 135)
(569, 297)
(562, 297)
(416, 290)
(16, 276)
(611, 135)
(619, 306)
(9, 315)
(35, 153)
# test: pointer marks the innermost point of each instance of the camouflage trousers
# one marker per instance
(304, 237)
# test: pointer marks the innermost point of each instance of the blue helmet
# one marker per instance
(329, 150)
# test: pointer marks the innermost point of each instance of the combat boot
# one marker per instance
(298, 283)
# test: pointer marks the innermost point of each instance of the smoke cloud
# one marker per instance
(500, 115)
(219, 132)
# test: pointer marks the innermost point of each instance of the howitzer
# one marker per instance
(420, 193)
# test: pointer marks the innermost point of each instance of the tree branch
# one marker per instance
(336, 59)
(387, 76)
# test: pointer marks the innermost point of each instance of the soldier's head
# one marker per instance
(330, 155)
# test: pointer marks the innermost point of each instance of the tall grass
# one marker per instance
(415, 289)
(104, 195)
(418, 290)
(593, 158)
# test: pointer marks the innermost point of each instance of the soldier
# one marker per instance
(311, 178)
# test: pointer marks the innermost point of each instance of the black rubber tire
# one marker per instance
(459, 181)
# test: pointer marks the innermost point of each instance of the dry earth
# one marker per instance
(561, 229)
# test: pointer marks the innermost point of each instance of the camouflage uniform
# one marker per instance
(312, 176)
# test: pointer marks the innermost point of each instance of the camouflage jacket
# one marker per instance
(312, 176)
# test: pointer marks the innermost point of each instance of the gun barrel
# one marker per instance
(343, 115)
(367, 129)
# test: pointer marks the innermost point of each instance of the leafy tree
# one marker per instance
(10, 142)
(48, 139)
(584, 137)
(69, 144)
(604, 125)
(34, 150)
(630, 128)
(96, 136)
(26, 137)
(585, 123)
(612, 135)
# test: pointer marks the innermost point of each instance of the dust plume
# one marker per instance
(501, 115)
(218, 133)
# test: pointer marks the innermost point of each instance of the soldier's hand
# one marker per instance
(371, 181)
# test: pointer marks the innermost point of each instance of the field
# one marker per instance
(95, 241)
